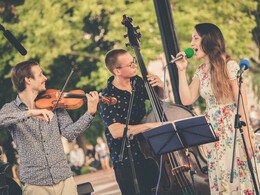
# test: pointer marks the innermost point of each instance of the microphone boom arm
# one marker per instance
(10, 37)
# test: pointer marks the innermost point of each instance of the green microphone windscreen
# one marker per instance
(189, 52)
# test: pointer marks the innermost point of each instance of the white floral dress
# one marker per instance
(219, 154)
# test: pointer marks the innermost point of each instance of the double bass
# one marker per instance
(183, 171)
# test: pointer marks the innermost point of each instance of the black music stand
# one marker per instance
(180, 134)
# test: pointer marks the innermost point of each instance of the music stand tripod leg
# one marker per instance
(126, 142)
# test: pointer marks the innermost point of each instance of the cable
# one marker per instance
(159, 177)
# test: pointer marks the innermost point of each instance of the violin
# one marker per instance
(70, 100)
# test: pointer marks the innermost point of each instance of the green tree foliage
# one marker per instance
(60, 34)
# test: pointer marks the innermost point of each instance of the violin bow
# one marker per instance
(65, 85)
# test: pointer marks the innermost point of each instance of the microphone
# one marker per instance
(188, 54)
(14, 41)
(244, 65)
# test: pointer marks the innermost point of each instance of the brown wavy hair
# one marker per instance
(213, 45)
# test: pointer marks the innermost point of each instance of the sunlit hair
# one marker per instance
(213, 45)
(111, 58)
(19, 72)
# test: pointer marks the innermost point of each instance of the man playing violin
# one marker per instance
(124, 69)
(36, 132)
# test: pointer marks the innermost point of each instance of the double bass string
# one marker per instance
(160, 115)
(172, 157)
(180, 177)
(150, 90)
(173, 160)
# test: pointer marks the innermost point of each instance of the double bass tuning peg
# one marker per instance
(137, 27)
(125, 35)
(139, 35)
(127, 44)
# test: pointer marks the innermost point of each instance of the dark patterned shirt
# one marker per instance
(42, 157)
(117, 114)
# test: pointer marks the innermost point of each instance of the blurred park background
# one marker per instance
(59, 34)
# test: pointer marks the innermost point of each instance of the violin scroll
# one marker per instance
(108, 100)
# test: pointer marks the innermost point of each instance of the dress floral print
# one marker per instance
(219, 154)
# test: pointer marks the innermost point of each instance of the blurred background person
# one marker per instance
(90, 158)
(77, 159)
(254, 117)
(102, 153)
(13, 187)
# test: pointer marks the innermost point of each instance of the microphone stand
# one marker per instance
(238, 125)
(126, 141)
